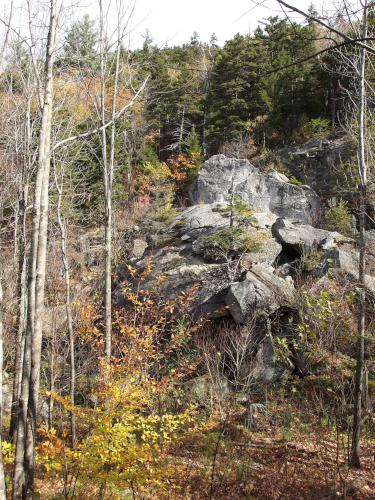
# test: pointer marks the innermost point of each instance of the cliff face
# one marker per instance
(223, 178)
(243, 243)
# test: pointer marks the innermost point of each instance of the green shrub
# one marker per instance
(320, 128)
(237, 207)
(338, 218)
(316, 128)
(293, 180)
(234, 239)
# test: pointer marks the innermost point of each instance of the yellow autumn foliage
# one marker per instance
(126, 438)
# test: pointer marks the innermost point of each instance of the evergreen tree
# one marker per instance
(213, 41)
(176, 96)
(147, 42)
(292, 92)
(79, 47)
(194, 40)
(257, 90)
(234, 97)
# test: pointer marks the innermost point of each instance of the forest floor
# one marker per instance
(264, 466)
(281, 465)
(289, 456)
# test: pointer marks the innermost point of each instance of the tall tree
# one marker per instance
(24, 468)
(108, 158)
(79, 49)
(355, 459)
(3, 495)
(62, 223)
(234, 99)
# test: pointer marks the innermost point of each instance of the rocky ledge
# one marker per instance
(245, 241)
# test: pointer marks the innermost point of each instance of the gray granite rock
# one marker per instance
(222, 177)
(297, 237)
(261, 290)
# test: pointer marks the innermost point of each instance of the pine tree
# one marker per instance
(234, 98)
(79, 47)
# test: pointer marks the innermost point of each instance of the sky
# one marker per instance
(173, 22)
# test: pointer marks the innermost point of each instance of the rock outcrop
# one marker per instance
(241, 245)
(261, 290)
(297, 238)
(221, 178)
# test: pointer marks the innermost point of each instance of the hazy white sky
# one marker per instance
(174, 21)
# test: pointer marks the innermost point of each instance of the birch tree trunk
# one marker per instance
(28, 159)
(25, 439)
(3, 495)
(355, 451)
(22, 311)
(108, 202)
(52, 375)
(181, 134)
(107, 181)
(68, 306)
(108, 166)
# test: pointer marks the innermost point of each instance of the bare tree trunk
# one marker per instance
(3, 495)
(108, 168)
(68, 307)
(355, 451)
(52, 374)
(22, 305)
(28, 160)
(204, 132)
(44, 164)
(333, 106)
(107, 193)
(25, 444)
(6, 38)
(181, 135)
(15, 230)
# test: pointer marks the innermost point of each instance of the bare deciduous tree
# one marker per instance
(362, 166)
(26, 425)
(2, 476)
(68, 305)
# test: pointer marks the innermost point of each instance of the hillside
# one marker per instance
(187, 265)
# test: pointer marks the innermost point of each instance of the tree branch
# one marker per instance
(106, 125)
(316, 54)
(327, 26)
(6, 39)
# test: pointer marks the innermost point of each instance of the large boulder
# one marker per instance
(248, 244)
(346, 261)
(297, 238)
(197, 220)
(221, 178)
(315, 163)
(209, 282)
(265, 367)
(261, 290)
(176, 271)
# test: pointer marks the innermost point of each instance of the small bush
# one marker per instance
(316, 128)
(234, 239)
(338, 218)
(237, 208)
(293, 180)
